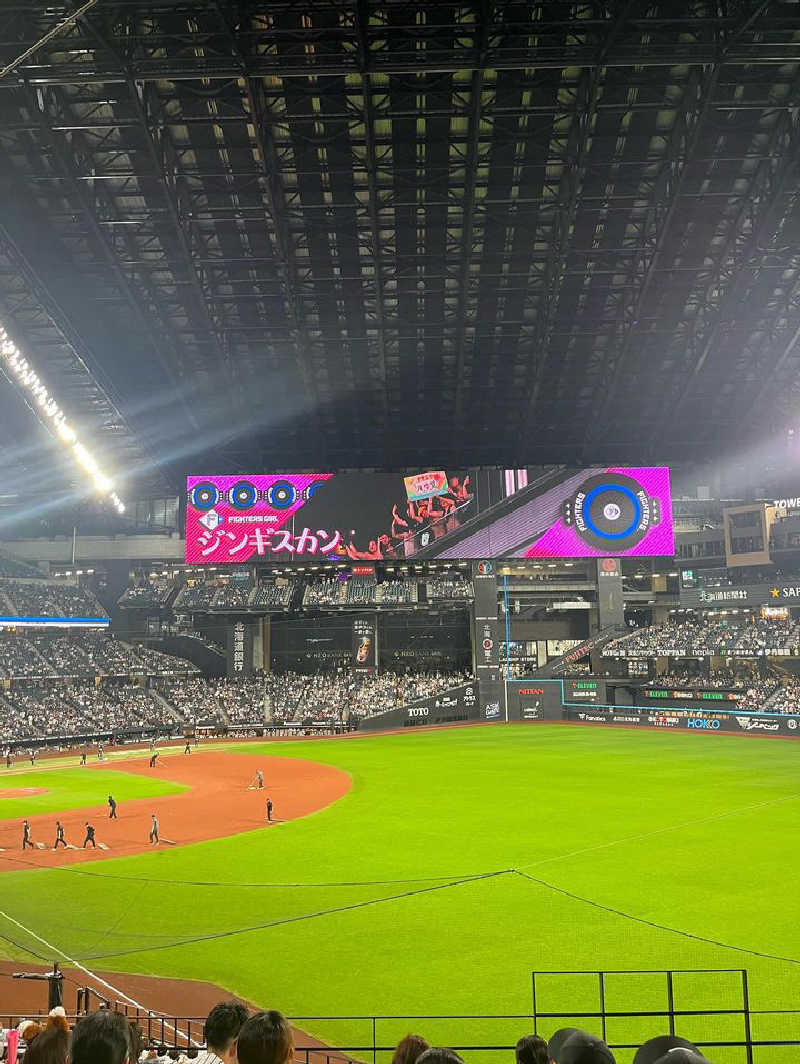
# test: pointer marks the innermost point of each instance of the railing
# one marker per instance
(709, 1007)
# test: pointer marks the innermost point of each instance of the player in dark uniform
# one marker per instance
(83, 756)
(59, 836)
(112, 808)
(89, 836)
(99, 751)
(26, 835)
(153, 759)
(33, 757)
(187, 749)
(269, 810)
(154, 830)
(9, 762)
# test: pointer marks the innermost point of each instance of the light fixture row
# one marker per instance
(28, 379)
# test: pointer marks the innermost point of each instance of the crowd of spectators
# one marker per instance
(234, 1035)
(327, 591)
(360, 592)
(37, 598)
(398, 593)
(149, 593)
(450, 588)
(731, 679)
(334, 695)
(34, 712)
(272, 595)
(693, 638)
(83, 654)
(197, 596)
(786, 699)
(232, 596)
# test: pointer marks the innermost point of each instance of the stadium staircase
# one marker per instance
(588, 648)
(159, 698)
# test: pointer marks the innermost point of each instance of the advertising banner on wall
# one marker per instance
(695, 720)
(240, 649)
(363, 644)
(775, 594)
(592, 512)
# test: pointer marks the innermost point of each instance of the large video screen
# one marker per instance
(540, 512)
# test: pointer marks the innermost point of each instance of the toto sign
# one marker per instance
(418, 711)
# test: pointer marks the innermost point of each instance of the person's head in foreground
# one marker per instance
(532, 1050)
(439, 1056)
(265, 1038)
(51, 1045)
(222, 1028)
(410, 1049)
(101, 1038)
(570, 1045)
(669, 1049)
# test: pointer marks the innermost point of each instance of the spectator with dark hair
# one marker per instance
(570, 1045)
(532, 1050)
(51, 1045)
(266, 1038)
(669, 1049)
(222, 1028)
(101, 1038)
(434, 1055)
(409, 1049)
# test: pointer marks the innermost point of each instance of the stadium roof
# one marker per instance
(342, 233)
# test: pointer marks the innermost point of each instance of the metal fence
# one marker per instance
(710, 1007)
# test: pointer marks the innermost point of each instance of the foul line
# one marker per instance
(652, 923)
(87, 971)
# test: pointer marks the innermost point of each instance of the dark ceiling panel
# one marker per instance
(343, 233)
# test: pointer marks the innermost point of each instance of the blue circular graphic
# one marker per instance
(587, 502)
(204, 496)
(281, 495)
(243, 495)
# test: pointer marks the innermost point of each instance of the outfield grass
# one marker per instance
(74, 788)
(692, 832)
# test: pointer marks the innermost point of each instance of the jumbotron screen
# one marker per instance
(540, 512)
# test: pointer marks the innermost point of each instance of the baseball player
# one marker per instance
(112, 808)
(89, 836)
(153, 759)
(59, 836)
(154, 830)
(269, 810)
(26, 835)
(259, 780)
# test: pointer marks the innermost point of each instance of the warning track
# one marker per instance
(218, 803)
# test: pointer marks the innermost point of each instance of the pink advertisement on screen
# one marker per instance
(548, 512)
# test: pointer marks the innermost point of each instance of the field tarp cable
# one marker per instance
(652, 923)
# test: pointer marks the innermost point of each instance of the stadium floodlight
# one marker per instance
(28, 380)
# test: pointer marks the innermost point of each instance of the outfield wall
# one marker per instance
(579, 700)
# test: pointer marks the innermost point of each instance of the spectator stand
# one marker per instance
(48, 599)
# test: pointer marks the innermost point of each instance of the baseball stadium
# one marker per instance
(399, 532)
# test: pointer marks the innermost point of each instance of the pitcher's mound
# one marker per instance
(21, 792)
